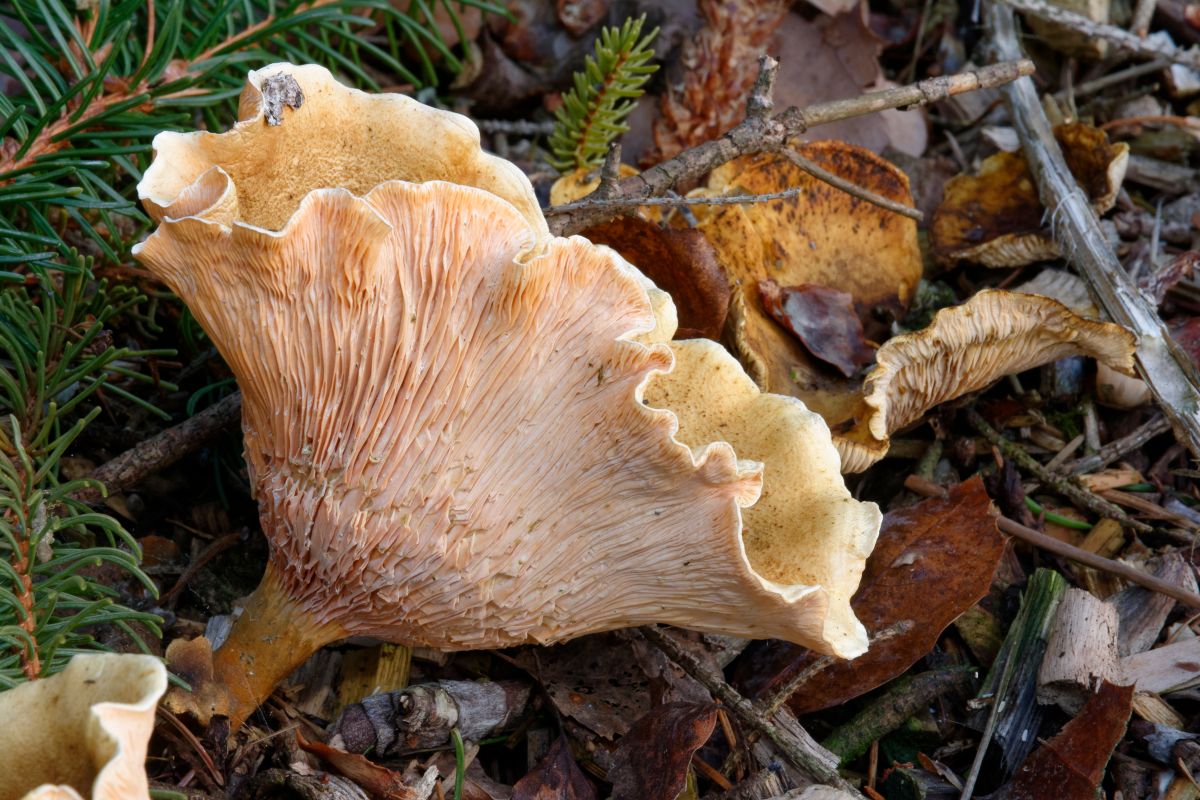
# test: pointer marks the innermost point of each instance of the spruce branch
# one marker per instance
(593, 112)
(96, 85)
(55, 355)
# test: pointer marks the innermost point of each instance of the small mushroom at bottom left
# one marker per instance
(82, 733)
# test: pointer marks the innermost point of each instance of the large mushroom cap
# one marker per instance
(335, 136)
(447, 438)
(443, 414)
(83, 732)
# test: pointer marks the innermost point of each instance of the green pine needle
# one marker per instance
(55, 357)
(91, 83)
(593, 113)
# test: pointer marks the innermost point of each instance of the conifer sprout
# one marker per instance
(443, 408)
(83, 732)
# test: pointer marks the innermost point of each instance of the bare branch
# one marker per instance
(760, 133)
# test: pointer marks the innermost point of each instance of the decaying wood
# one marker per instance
(1013, 716)
(373, 670)
(760, 132)
(284, 783)
(422, 716)
(1165, 669)
(1118, 37)
(792, 742)
(887, 712)
(1167, 370)
(765, 783)
(1119, 448)
(1081, 651)
(1152, 708)
(1143, 613)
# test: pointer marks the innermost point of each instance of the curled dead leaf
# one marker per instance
(995, 218)
(823, 319)
(964, 349)
(377, 780)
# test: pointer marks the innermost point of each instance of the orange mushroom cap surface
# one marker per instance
(443, 411)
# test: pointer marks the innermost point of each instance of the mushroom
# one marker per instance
(995, 218)
(83, 732)
(443, 406)
(964, 349)
(1113, 388)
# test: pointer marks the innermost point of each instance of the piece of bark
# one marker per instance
(1013, 717)
(1152, 708)
(1080, 653)
(373, 670)
(1164, 366)
(1165, 669)
(764, 783)
(422, 716)
(315, 681)
(284, 783)
(1143, 612)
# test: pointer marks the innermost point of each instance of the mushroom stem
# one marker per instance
(273, 636)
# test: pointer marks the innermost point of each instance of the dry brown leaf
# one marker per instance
(556, 777)
(1070, 766)
(995, 218)
(652, 760)
(823, 319)
(375, 779)
(964, 349)
(707, 87)
(681, 262)
(932, 562)
(841, 59)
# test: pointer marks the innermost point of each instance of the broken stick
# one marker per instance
(760, 132)
(1166, 369)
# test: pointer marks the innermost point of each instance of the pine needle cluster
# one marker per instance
(84, 87)
(593, 112)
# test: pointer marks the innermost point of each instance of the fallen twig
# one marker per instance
(1118, 448)
(165, 447)
(808, 756)
(760, 132)
(1060, 548)
(1068, 487)
(1118, 37)
(852, 189)
(1166, 369)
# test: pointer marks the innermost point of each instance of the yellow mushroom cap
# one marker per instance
(81, 733)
